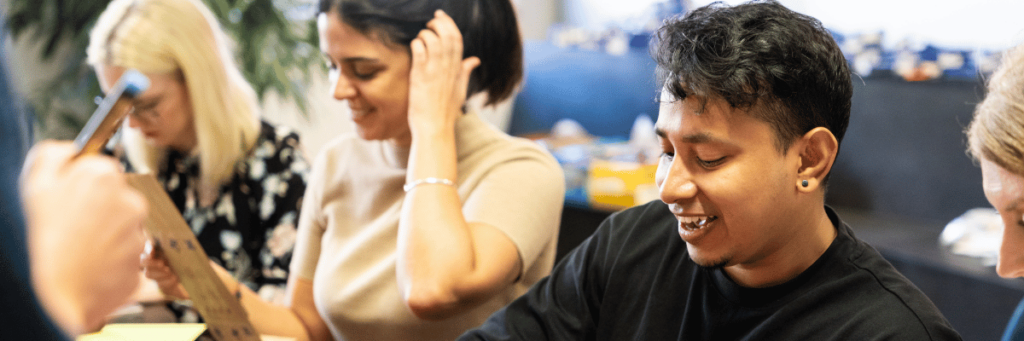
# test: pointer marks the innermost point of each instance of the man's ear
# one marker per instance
(817, 149)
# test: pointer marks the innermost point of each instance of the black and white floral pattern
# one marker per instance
(250, 227)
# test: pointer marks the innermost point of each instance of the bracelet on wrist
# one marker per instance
(432, 181)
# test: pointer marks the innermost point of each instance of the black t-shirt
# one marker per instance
(633, 280)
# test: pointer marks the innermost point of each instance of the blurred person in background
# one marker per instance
(237, 180)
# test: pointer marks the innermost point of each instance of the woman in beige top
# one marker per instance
(428, 219)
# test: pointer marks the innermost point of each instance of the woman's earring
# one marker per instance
(804, 183)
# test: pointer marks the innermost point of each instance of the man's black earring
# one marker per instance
(804, 183)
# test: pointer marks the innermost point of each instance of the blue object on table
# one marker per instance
(968, 71)
(604, 93)
(929, 53)
(639, 41)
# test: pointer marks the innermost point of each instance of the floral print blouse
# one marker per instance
(250, 227)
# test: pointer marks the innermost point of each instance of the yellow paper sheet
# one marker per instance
(147, 331)
(157, 332)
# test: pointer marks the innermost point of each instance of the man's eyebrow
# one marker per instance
(696, 138)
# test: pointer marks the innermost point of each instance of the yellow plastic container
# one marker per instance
(616, 185)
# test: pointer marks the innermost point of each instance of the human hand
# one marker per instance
(85, 225)
(155, 268)
(439, 77)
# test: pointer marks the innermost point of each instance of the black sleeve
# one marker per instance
(563, 306)
(21, 317)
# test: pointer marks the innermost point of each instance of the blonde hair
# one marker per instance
(164, 36)
(997, 131)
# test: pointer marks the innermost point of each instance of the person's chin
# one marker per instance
(156, 142)
(708, 261)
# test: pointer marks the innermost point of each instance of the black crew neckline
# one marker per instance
(778, 294)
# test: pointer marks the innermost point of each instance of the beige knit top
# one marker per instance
(348, 229)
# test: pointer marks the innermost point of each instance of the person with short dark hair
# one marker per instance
(427, 220)
(755, 102)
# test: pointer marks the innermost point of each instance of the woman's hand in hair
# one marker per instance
(439, 76)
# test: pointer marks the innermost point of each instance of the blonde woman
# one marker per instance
(996, 139)
(237, 181)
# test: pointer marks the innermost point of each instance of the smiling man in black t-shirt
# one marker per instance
(755, 102)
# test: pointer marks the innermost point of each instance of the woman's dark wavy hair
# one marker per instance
(758, 55)
(489, 32)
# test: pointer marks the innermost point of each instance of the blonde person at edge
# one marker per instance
(429, 220)
(996, 139)
(237, 181)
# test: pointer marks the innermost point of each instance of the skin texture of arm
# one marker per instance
(446, 265)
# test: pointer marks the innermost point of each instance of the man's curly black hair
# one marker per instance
(781, 66)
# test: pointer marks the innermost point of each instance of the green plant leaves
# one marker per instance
(275, 46)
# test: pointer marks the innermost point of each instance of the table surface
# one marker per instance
(918, 241)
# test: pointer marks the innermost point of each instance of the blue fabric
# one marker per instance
(602, 92)
(12, 142)
(21, 317)
(1015, 329)
(12, 247)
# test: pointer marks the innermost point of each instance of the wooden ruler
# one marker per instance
(225, 318)
(111, 111)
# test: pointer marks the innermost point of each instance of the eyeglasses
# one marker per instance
(148, 114)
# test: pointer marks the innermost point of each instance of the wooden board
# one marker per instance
(225, 318)
(111, 111)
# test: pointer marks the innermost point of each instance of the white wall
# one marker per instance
(984, 24)
(974, 24)
(535, 16)
(630, 15)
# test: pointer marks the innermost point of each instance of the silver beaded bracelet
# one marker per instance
(438, 181)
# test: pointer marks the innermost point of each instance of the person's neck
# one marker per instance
(402, 141)
(811, 237)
